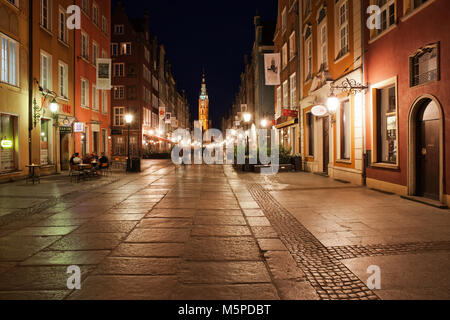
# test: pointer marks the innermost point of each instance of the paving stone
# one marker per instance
(296, 290)
(138, 266)
(176, 205)
(253, 213)
(159, 236)
(283, 266)
(264, 232)
(220, 231)
(66, 258)
(5, 266)
(154, 250)
(171, 213)
(258, 222)
(102, 287)
(239, 292)
(220, 220)
(21, 248)
(34, 295)
(51, 222)
(163, 223)
(212, 213)
(233, 248)
(107, 227)
(120, 217)
(249, 205)
(89, 241)
(36, 278)
(128, 211)
(44, 231)
(224, 272)
(271, 245)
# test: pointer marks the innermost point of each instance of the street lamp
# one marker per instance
(264, 123)
(247, 117)
(129, 120)
(54, 106)
(333, 104)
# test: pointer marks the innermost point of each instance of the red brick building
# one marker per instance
(132, 81)
(408, 101)
(92, 106)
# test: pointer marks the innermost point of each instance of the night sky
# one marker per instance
(210, 34)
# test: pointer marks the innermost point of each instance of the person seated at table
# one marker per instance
(104, 161)
(87, 159)
(75, 159)
(94, 157)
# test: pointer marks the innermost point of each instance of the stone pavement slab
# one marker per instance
(149, 250)
(408, 277)
(100, 287)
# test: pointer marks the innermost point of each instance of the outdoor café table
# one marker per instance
(33, 176)
(83, 167)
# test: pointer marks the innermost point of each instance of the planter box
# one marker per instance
(298, 164)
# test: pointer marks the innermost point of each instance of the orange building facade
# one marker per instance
(52, 138)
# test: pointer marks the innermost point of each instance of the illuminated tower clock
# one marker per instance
(204, 105)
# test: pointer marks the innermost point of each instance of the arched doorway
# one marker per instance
(425, 174)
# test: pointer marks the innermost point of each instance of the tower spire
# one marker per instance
(204, 104)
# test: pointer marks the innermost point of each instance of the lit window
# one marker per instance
(9, 60)
(386, 124)
(424, 66)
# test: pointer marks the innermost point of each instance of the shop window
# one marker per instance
(345, 130)
(8, 143)
(45, 142)
(310, 134)
(386, 126)
(119, 146)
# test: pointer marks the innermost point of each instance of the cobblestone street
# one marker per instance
(199, 232)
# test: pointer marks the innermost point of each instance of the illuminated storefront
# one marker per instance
(8, 143)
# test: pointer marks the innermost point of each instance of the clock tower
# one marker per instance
(204, 105)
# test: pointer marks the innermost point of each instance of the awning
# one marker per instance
(158, 138)
(287, 124)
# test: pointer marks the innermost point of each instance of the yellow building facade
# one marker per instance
(14, 115)
(331, 42)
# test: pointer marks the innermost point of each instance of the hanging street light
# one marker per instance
(129, 120)
(333, 104)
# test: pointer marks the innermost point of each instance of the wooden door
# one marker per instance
(428, 159)
(326, 144)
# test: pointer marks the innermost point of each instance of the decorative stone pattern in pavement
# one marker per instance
(352, 252)
(324, 271)
(322, 266)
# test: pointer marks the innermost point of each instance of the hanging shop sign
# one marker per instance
(319, 111)
(290, 113)
(272, 69)
(78, 127)
(162, 113)
(6, 144)
(104, 74)
(65, 130)
(168, 118)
